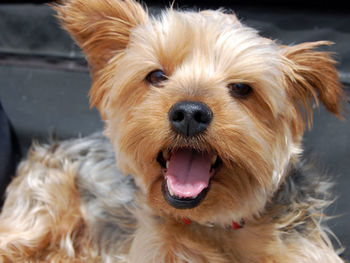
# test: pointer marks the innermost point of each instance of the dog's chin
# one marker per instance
(186, 176)
(182, 203)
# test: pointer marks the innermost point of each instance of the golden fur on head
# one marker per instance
(201, 53)
(256, 136)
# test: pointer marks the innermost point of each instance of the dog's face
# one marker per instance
(205, 114)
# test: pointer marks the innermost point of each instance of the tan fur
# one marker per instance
(63, 205)
(41, 220)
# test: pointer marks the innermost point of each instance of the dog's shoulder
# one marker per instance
(107, 196)
(298, 206)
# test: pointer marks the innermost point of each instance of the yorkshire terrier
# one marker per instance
(205, 120)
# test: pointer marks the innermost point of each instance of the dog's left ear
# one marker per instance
(100, 27)
(311, 76)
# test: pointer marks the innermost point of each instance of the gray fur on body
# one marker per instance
(107, 196)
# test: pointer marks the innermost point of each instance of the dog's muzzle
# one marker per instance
(187, 171)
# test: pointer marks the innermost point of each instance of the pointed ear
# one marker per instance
(311, 76)
(100, 27)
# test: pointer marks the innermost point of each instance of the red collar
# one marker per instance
(234, 225)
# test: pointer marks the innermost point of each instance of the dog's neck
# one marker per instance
(234, 224)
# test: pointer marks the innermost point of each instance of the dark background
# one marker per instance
(44, 78)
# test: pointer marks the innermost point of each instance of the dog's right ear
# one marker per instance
(101, 27)
(311, 76)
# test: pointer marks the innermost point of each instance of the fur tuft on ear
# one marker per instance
(311, 76)
(100, 27)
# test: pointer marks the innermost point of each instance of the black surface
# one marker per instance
(10, 153)
(43, 101)
(311, 4)
(44, 81)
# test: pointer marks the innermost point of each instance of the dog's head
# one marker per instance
(205, 114)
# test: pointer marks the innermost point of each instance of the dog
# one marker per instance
(203, 162)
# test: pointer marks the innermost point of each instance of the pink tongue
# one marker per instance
(188, 172)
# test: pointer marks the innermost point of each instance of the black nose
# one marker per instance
(190, 118)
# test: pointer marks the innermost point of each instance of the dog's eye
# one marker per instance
(156, 77)
(240, 90)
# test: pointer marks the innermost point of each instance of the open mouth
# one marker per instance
(186, 175)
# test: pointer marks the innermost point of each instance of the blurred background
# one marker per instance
(44, 78)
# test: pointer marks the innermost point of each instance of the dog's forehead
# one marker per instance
(208, 37)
